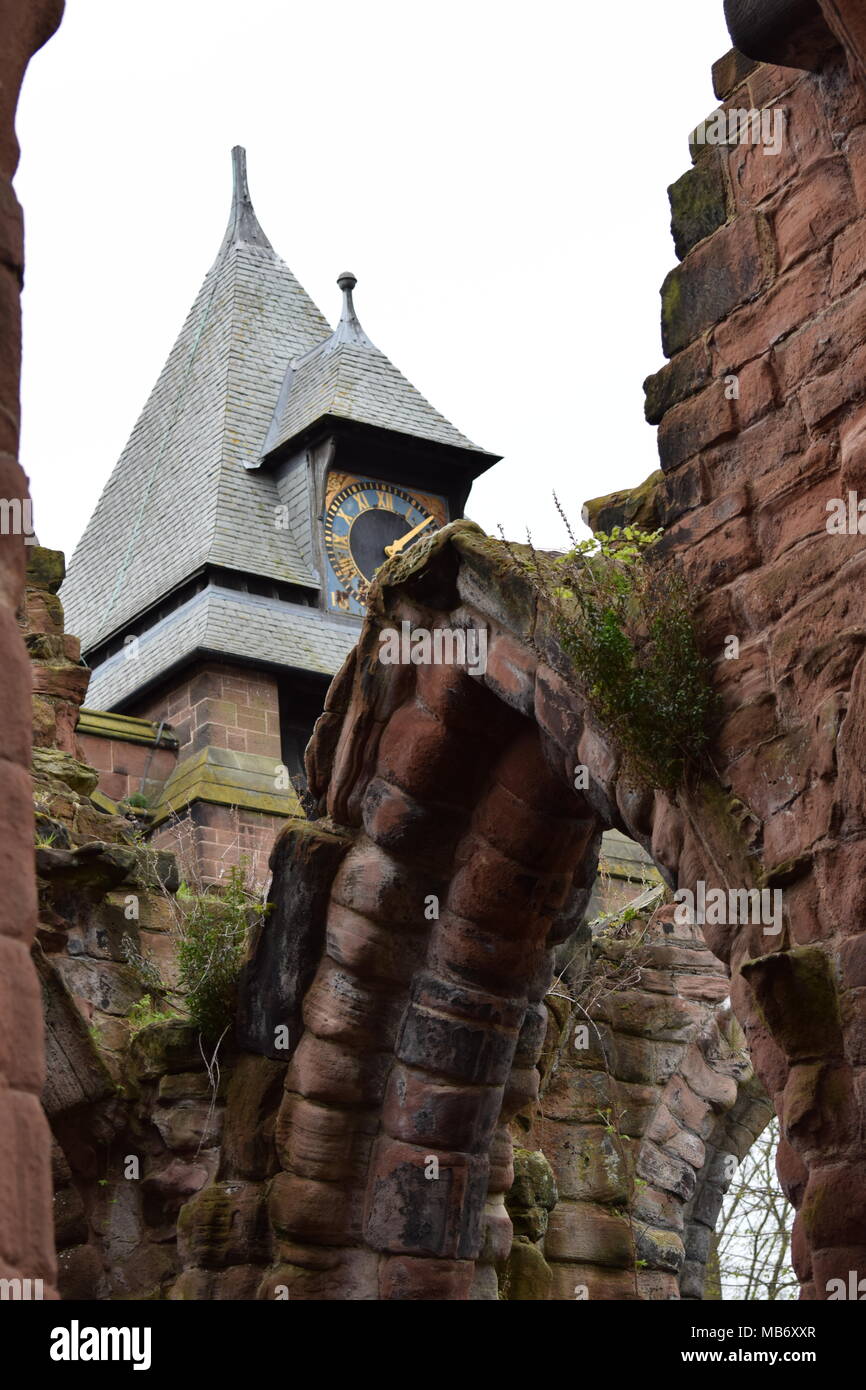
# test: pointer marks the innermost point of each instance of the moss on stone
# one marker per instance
(46, 569)
(630, 507)
(527, 1277)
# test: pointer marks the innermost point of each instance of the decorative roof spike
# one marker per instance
(243, 223)
(349, 328)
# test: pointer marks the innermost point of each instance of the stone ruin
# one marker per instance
(404, 1113)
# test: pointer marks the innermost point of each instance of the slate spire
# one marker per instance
(180, 498)
(243, 224)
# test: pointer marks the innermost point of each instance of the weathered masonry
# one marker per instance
(410, 1109)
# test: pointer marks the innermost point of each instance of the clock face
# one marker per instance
(366, 522)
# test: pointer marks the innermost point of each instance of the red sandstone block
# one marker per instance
(315, 1213)
(438, 992)
(524, 772)
(842, 95)
(756, 175)
(852, 957)
(425, 834)
(476, 1053)
(825, 395)
(342, 1008)
(11, 229)
(405, 1278)
(21, 1056)
(765, 596)
(213, 711)
(10, 360)
(208, 685)
(849, 258)
(449, 1191)
(18, 898)
(421, 1110)
(792, 300)
(217, 817)
(481, 957)
(323, 1142)
(750, 724)
(26, 1227)
(834, 1206)
(825, 341)
(511, 673)
(548, 844)
(789, 518)
(706, 520)
(371, 882)
(263, 694)
(856, 151)
(813, 211)
(426, 759)
(369, 950)
(453, 697)
(237, 688)
(852, 442)
(336, 1074)
(732, 552)
(15, 690)
(693, 425)
(44, 607)
(757, 391)
(129, 758)
(557, 710)
(695, 296)
(114, 784)
(728, 72)
(494, 891)
(744, 679)
(840, 1273)
(768, 81)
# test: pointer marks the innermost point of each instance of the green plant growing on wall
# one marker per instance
(211, 950)
(627, 624)
(144, 1012)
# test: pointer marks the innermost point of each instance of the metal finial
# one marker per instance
(349, 329)
(240, 188)
(243, 223)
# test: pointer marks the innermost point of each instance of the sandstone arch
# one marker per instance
(416, 1037)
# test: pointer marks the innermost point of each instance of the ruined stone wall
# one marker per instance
(26, 1242)
(762, 424)
(407, 975)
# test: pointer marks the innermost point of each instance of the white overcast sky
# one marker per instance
(494, 173)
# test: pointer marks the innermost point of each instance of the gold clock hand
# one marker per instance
(404, 540)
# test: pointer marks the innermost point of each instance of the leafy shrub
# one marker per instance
(627, 624)
(211, 950)
(144, 1012)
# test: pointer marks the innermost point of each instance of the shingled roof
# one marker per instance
(209, 623)
(179, 497)
(348, 377)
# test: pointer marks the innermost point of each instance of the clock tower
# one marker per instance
(222, 578)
